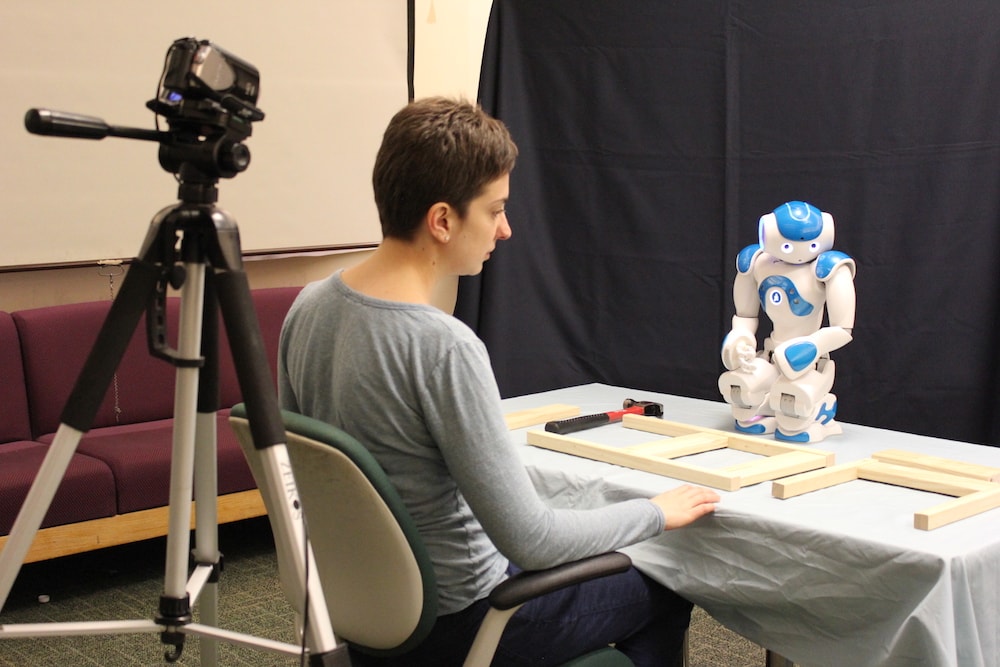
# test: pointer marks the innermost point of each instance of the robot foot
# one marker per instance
(759, 425)
(817, 432)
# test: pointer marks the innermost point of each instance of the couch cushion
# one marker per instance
(135, 444)
(57, 340)
(86, 491)
(14, 424)
(139, 455)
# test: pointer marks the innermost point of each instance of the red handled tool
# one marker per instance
(629, 407)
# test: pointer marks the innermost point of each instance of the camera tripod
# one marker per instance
(211, 279)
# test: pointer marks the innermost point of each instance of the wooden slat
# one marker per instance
(816, 480)
(683, 445)
(771, 467)
(745, 443)
(956, 509)
(131, 527)
(936, 463)
(771, 448)
(663, 426)
(654, 457)
(583, 448)
(540, 415)
(922, 480)
(973, 496)
(621, 456)
(698, 475)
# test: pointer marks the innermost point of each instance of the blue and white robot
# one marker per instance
(796, 276)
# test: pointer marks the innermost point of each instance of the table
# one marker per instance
(834, 577)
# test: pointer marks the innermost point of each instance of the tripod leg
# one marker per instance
(78, 415)
(175, 602)
(206, 550)
(204, 583)
(207, 557)
(271, 467)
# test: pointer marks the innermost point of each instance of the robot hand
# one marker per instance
(795, 357)
(740, 345)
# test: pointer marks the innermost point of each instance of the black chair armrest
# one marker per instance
(531, 584)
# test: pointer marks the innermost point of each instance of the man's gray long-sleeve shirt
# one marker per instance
(415, 386)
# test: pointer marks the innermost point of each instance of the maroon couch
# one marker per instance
(117, 485)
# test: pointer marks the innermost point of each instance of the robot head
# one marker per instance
(796, 232)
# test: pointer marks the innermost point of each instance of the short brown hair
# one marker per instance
(437, 150)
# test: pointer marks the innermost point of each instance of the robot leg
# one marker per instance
(804, 408)
(746, 390)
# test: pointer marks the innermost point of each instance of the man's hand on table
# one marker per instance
(685, 504)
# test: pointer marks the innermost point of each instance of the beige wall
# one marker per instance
(449, 51)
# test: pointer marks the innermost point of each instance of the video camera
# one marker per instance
(202, 80)
(208, 97)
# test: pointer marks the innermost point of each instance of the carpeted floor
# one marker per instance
(126, 582)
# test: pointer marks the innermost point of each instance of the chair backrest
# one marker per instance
(374, 569)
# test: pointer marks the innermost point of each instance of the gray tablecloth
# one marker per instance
(834, 577)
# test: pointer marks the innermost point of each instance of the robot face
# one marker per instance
(796, 232)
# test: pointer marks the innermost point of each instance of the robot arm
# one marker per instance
(840, 297)
(796, 356)
(740, 345)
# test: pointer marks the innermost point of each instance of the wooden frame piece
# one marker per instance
(535, 416)
(657, 456)
(974, 486)
(927, 462)
(83, 536)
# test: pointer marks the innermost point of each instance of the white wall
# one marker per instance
(331, 75)
(449, 36)
(447, 59)
(449, 46)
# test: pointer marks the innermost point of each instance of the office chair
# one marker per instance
(372, 564)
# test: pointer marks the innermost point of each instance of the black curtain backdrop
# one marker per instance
(654, 134)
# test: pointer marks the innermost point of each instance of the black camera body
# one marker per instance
(202, 81)
(208, 97)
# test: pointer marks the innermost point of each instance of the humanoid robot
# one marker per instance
(794, 274)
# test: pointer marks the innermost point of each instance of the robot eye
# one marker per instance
(787, 247)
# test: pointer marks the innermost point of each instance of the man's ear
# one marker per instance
(440, 221)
